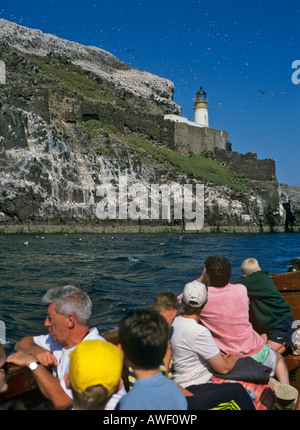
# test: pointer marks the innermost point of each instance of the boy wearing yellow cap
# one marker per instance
(94, 374)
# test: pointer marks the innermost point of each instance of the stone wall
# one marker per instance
(247, 164)
(213, 143)
(78, 109)
(198, 140)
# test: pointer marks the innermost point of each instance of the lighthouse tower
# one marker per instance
(201, 108)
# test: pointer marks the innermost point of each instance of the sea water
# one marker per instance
(119, 272)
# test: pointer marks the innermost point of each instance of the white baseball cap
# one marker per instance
(194, 294)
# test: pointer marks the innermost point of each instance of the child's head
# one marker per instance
(94, 374)
(250, 265)
(167, 305)
(143, 336)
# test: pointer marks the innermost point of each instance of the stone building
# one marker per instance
(196, 137)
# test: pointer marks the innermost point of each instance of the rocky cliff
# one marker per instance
(75, 118)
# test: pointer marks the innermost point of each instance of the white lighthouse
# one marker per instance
(201, 108)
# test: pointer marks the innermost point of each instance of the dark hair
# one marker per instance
(165, 300)
(2, 351)
(144, 335)
(192, 310)
(219, 271)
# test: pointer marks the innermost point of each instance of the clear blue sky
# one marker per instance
(230, 48)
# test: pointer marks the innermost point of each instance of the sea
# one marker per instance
(119, 272)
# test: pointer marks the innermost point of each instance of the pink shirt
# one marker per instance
(226, 315)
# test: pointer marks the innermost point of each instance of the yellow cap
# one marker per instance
(95, 362)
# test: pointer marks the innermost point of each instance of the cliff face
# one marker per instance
(104, 66)
(69, 125)
(290, 201)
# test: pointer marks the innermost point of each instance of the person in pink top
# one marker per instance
(226, 315)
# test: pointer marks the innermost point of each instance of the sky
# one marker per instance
(245, 55)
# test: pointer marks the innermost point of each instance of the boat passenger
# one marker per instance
(67, 320)
(94, 374)
(206, 396)
(167, 305)
(143, 337)
(196, 358)
(269, 313)
(226, 315)
(195, 353)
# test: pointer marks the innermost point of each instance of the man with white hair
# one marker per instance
(69, 310)
(269, 313)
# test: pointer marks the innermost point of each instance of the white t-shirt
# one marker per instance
(62, 354)
(192, 345)
(115, 398)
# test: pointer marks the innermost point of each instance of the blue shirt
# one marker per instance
(154, 393)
